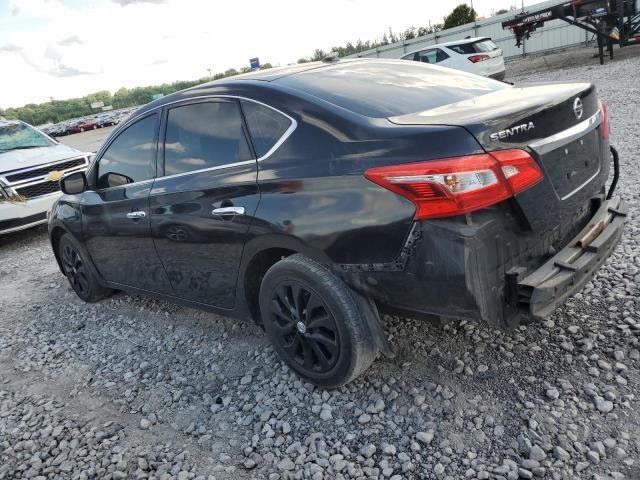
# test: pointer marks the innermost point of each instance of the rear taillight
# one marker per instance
(453, 186)
(605, 126)
(478, 58)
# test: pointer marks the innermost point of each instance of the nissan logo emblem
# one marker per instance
(577, 108)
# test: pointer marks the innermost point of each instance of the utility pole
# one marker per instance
(475, 25)
(54, 111)
(209, 70)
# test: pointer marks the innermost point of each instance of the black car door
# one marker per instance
(204, 198)
(115, 213)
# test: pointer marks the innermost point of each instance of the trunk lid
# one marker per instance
(558, 124)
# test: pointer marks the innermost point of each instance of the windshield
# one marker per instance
(17, 136)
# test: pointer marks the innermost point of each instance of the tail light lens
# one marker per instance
(453, 186)
(605, 126)
(478, 58)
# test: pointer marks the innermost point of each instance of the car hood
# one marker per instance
(32, 157)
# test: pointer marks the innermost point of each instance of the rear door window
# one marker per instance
(441, 55)
(204, 135)
(432, 56)
(426, 56)
(266, 126)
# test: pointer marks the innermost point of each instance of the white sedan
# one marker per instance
(478, 55)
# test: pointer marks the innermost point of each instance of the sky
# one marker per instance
(68, 48)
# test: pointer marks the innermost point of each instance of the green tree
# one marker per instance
(59, 110)
(410, 33)
(501, 11)
(460, 15)
(318, 55)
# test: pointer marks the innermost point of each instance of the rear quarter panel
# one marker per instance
(313, 187)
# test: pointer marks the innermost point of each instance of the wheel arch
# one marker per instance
(55, 235)
(56, 230)
(260, 254)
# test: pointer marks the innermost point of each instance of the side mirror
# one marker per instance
(73, 183)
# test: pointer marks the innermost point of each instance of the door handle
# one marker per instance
(228, 211)
(136, 215)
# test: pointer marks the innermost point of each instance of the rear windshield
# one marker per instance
(382, 89)
(485, 46)
(475, 47)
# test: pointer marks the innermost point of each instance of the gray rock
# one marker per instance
(537, 453)
(561, 454)
(368, 450)
(552, 393)
(580, 466)
(364, 418)
(604, 406)
(286, 464)
(524, 473)
(325, 414)
(593, 456)
(388, 449)
(425, 437)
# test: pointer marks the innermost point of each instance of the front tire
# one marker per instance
(78, 272)
(315, 323)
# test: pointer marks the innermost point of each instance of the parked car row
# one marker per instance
(93, 122)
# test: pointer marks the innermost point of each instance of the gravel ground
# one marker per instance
(137, 388)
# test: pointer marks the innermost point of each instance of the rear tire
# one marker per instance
(315, 323)
(78, 272)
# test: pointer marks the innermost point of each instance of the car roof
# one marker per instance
(267, 76)
(447, 44)
(374, 87)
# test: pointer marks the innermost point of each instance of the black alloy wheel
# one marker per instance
(79, 273)
(75, 270)
(307, 328)
(316, 324)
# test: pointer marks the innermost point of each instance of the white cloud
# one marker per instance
(72, 40)
(124, 3)
(54, 49)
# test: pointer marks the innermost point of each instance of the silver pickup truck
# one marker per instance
(31, 164)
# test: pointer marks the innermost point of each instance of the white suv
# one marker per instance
(478, 55)
(31, 164)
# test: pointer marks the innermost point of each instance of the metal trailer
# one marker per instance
(611, 21)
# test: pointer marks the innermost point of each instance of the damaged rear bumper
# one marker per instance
(542, 291)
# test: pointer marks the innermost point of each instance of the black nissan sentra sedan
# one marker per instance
(313, 198)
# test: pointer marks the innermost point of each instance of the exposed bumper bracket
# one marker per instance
(543, 290)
